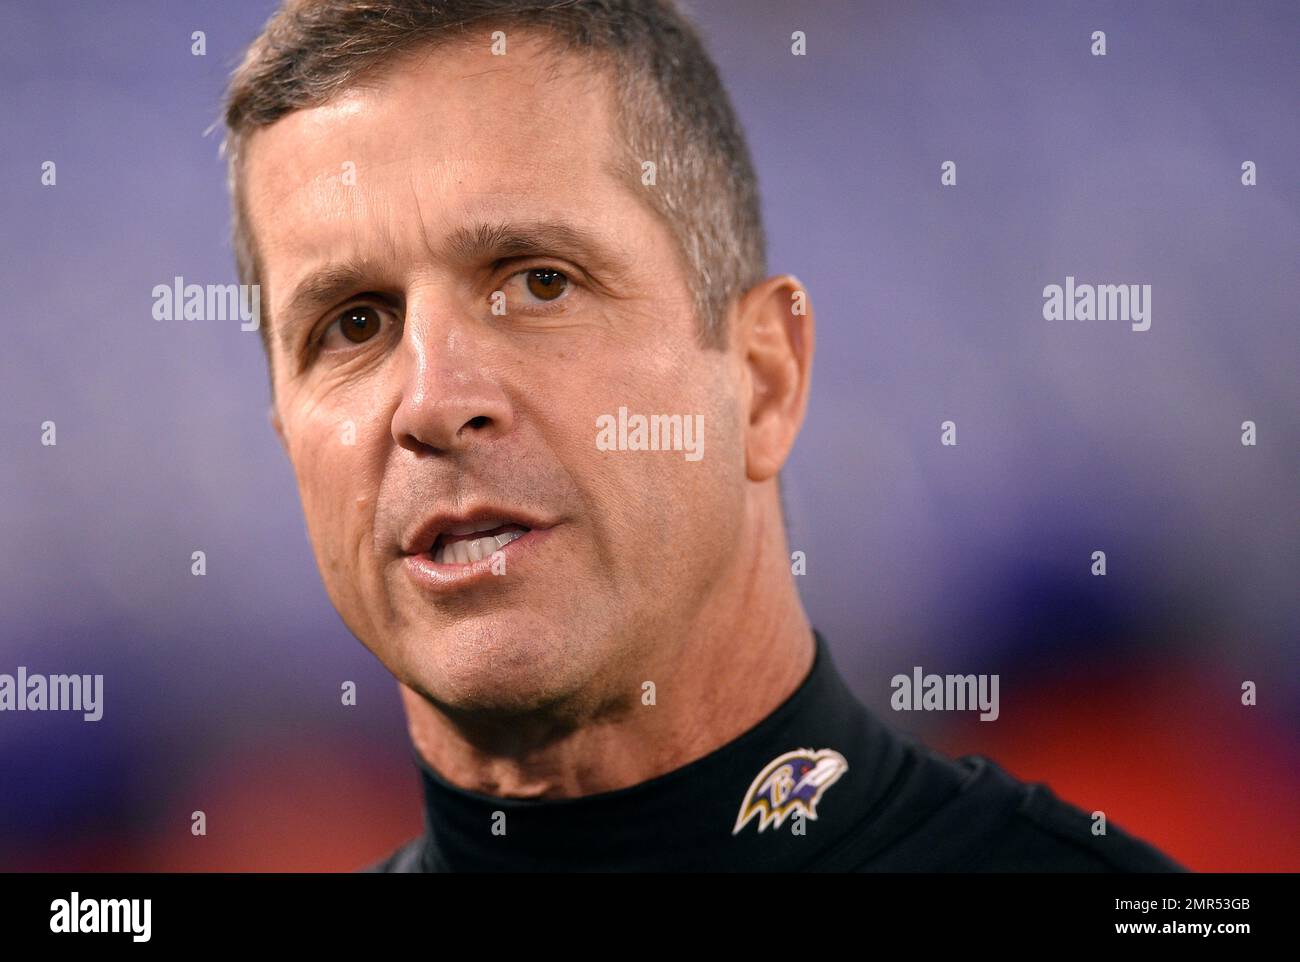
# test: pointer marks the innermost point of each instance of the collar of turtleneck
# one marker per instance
(782, 796)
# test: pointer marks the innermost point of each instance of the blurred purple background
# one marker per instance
(1123, 692)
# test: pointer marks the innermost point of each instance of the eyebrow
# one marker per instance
(319, 290)
(502, 241)
(475, 244)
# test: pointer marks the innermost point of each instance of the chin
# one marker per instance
(501, 665)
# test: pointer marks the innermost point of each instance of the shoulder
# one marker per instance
(1044, 833)
(405, 859)
(970, 815)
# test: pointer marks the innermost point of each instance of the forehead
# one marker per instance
(443, 135)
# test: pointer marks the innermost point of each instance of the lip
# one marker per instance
(441, 578)
(417, 544)
(421, 538)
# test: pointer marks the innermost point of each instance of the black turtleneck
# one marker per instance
(840, 791)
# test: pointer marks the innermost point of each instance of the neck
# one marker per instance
(739, 656)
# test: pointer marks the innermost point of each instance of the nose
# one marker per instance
(450, 400)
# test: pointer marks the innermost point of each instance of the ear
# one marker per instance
(774, 335)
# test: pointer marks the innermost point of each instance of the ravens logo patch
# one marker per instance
(791, 782)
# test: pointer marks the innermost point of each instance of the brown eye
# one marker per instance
(359, 324)
(546, 284)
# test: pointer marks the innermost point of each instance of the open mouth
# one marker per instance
(474, 541)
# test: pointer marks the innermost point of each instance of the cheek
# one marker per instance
(331, 456)
(709, 472)
(682, 505)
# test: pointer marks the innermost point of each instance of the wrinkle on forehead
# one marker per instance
(358, 124)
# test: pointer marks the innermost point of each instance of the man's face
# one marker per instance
(411, 409)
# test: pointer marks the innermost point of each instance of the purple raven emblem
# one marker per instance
(791, 782)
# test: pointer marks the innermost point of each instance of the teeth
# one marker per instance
(466, 552)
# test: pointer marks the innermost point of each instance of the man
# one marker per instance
(537, 387)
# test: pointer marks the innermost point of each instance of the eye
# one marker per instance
(357, 324)
(545, 283)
